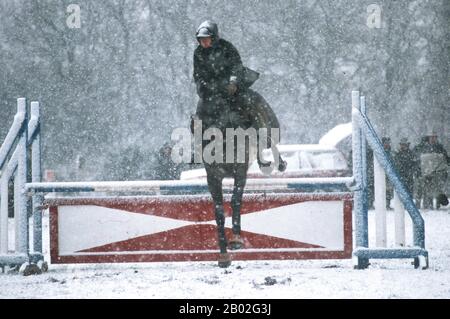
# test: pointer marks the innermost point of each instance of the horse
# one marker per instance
(248, 110)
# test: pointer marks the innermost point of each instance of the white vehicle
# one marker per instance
(303, 160)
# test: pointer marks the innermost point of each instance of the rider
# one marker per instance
(220, 77)
(217, 67)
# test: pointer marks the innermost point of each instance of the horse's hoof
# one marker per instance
(236, 243)
(224, 260)
(282, 166)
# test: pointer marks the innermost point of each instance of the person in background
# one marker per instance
(434, 163)
(406, 164)
(418, 182)
(166, 169)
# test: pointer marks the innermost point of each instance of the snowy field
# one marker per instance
(254, 279)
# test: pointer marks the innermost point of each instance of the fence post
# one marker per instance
(4, 215)
(403, 193)
(361, 222)
(5, 149)
(365, 185)
(399, 221)
(380, 203)
(14, 132)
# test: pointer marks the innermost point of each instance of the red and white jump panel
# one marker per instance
(183, 228)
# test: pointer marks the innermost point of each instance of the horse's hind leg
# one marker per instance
(282, 164)
(240, 179)
(215, 188)
(259, 148)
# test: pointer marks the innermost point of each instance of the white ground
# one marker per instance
(255, 279)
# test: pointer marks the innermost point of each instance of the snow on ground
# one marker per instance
(250, 279)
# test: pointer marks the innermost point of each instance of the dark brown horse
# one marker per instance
(248, 110)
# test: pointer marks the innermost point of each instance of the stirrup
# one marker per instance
(224, 260)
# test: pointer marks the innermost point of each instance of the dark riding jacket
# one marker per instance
(214, 67)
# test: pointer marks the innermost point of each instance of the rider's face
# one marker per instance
(206, 42)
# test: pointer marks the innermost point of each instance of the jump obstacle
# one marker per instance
(145, 221)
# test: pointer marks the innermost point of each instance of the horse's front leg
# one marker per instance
(215, 188)
(240, 179)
